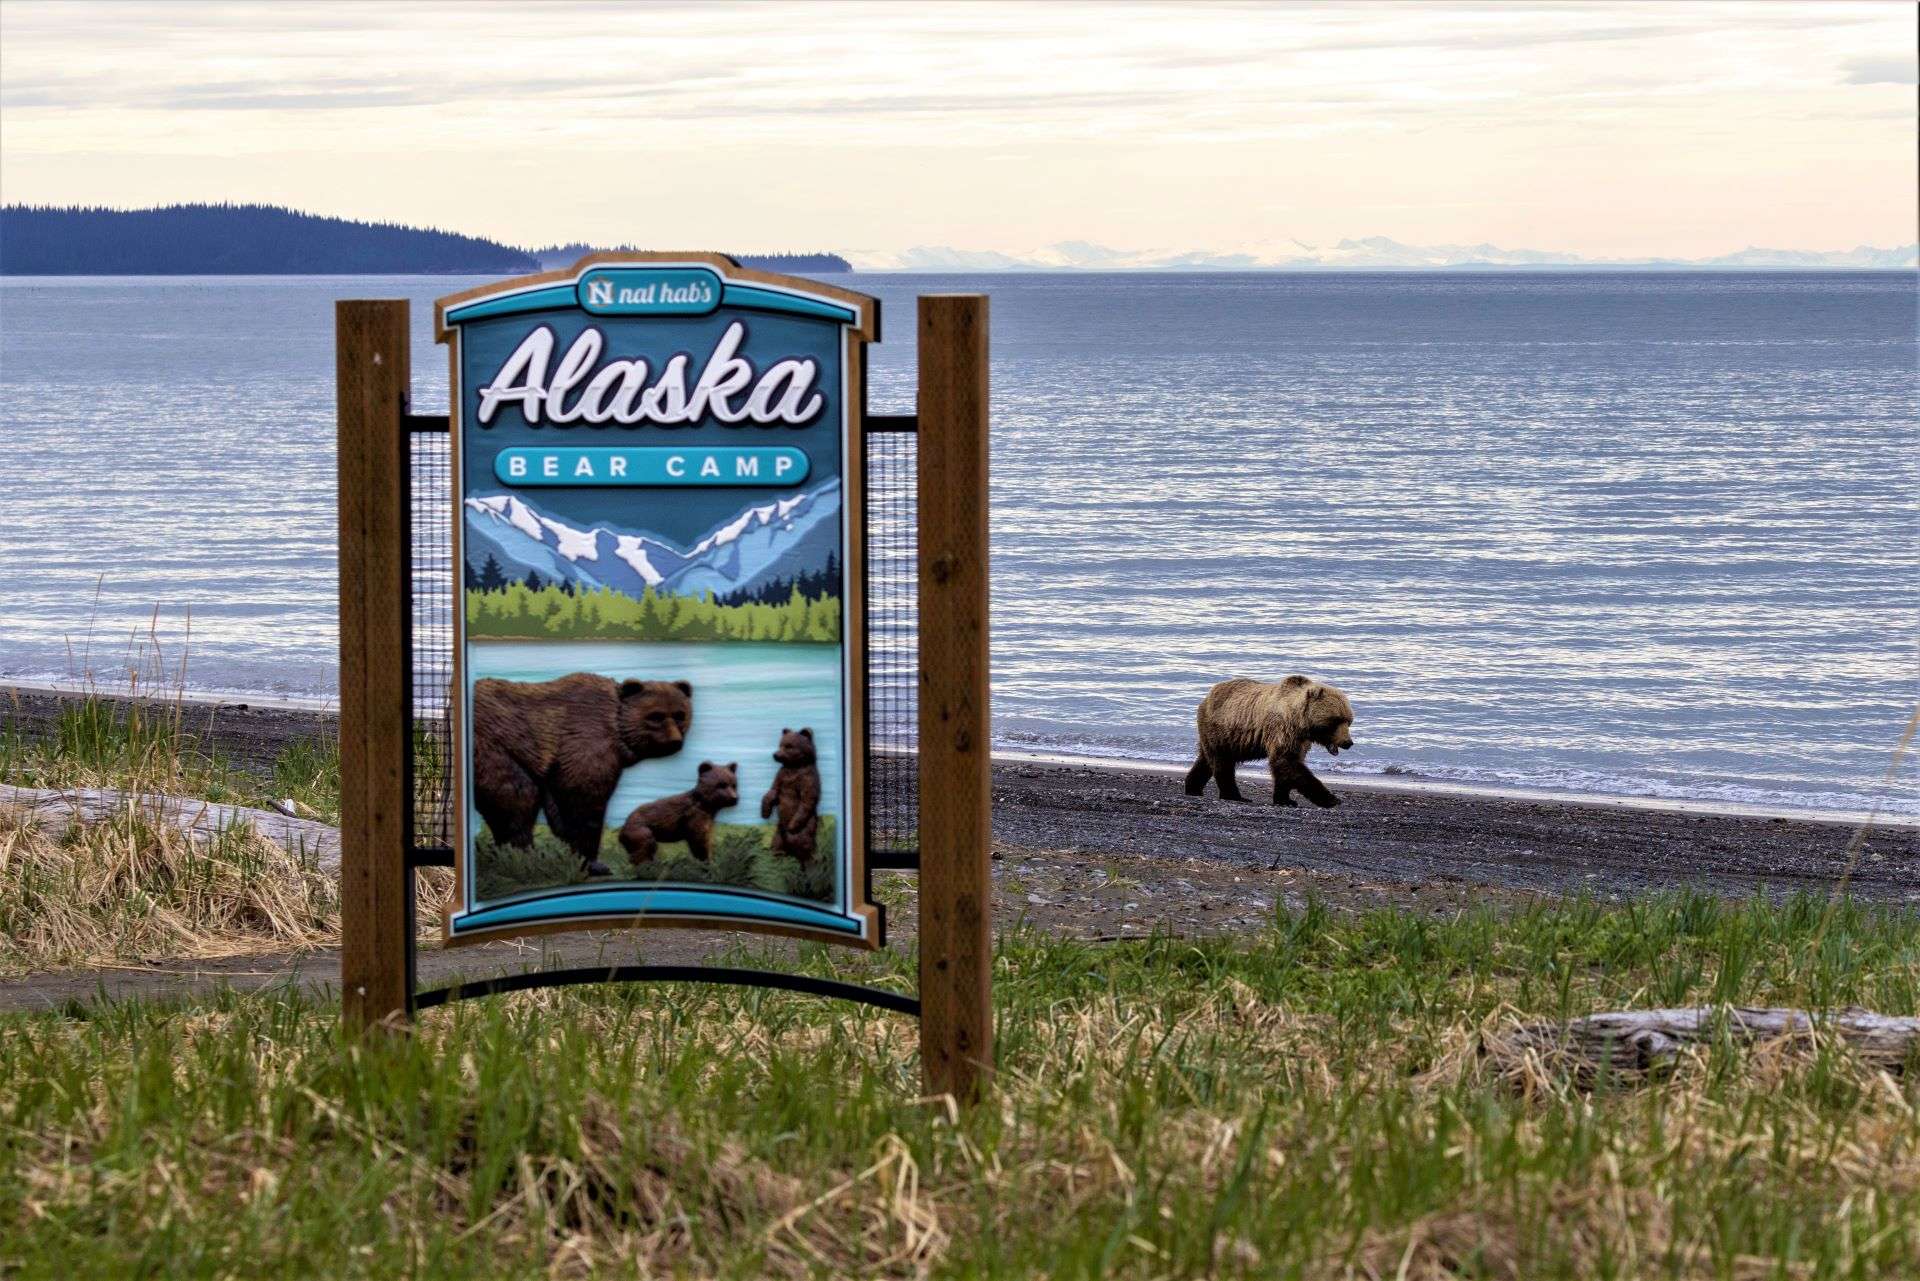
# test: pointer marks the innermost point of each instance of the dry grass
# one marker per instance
(129, 890)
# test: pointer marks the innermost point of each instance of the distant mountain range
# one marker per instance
(1376, 253)
(785, 538)
(556, 256)
(216, 240)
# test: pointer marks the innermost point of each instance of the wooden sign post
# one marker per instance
(956, 783)
(372, 372)
(662, 466)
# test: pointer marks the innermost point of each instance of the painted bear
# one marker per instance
(686, 817)
(559, 747)
(1244, 720)
(796, 795)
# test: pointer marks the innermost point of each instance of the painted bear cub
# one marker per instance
(796, 794)
(687, 817)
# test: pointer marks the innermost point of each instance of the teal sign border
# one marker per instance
(667, 286)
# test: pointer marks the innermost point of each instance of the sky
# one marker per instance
(1599, 129)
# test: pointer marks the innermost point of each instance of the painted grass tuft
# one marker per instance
(1324, 1099)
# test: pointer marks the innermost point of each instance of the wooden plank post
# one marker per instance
(371, 367)
(956, 785)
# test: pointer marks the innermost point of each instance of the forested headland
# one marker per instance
(267, 240)
(236, 240)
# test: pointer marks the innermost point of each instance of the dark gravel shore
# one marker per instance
(1381, 834)
(1423, 837)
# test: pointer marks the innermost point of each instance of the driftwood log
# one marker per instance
(1631, 1041)
(61, 807)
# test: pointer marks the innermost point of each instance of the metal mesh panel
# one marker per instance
(893, 641)
(432, 623)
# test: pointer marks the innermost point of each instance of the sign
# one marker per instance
(659, 638)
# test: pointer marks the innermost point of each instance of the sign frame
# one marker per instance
(381, 849)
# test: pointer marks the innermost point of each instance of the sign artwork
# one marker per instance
(659, 645)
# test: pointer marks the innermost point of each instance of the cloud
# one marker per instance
(1882, 71)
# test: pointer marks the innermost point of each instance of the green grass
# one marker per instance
(152, 748)
(740, 856)
(1315, 1101)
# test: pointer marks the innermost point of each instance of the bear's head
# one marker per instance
(654, 717)
(1329, 718)
(719, 786)
(796, 748)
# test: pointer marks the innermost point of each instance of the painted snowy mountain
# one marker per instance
(781, 538)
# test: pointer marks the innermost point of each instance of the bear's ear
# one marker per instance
(629, 688)
(734, 767)
(705, 766)
(806, 731)
(1294, 682)
(685, 687)
(784, 731)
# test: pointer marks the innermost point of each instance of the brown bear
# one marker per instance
(559, 746)
(1244, 720)
(796, 794)
(686, 817)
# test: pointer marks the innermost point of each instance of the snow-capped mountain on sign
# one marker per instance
(784, 538)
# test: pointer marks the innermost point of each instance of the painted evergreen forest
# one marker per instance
(805, 608)
(519, 612)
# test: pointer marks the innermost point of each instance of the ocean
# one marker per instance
(1643, 534)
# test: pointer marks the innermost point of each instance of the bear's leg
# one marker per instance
(1312, 788)
(806, 841)
(1223, 779)
(638, 841)
(700, 834)
(1283, 782)
(582, 832)
(1197, 776)
(506, 796)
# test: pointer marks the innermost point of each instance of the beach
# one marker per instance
(1395, 832)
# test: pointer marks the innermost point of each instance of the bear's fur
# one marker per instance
(1244, 720)
(686, 817)
(559, 746)
(796, 795)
